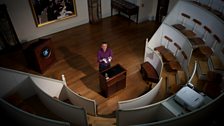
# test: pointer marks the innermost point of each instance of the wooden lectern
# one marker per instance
(112, 80)
(40, 55)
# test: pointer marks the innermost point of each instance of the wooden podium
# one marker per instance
(40, 55)
(112, 80)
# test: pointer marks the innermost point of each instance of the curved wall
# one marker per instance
(20, 117)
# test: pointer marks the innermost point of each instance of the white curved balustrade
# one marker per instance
(141, 101)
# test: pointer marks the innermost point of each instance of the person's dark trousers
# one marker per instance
(103, 67)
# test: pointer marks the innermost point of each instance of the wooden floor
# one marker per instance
(76, 50)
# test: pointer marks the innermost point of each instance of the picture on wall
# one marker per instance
(49, 11)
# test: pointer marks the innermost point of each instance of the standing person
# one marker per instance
(104, 56)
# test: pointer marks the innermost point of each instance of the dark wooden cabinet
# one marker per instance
(125, 7)
(40, 55)
(116, 80)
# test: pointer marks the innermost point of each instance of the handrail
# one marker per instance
(193, 73)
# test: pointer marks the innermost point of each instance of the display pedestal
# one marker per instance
(40, 55)
(116, 80)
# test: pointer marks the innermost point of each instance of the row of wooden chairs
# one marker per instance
(176, 77)
(218, 12)
(198, 42)
(169, 56)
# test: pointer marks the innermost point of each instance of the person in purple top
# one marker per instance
(104, 56)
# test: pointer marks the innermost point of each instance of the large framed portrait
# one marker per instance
(49, 11)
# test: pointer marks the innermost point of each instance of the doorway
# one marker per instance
(94, 7)
(162, 8)
(8, 37)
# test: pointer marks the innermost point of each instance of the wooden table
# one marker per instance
(125, 7)
(116, 80)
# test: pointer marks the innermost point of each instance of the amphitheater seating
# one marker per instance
(212, 7)
(200, 27)
(206, 50)
(181, 26)
(178, 48)
(207, 40)
(192, 33)
(24, 118)
(169, 58)
(25, 85)
(166, 54)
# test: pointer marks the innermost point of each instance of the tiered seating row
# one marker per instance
(50, 92)
(206, 31)
(66, 111)
(214, 6)
(77, 100)
(206, 43)
(25, 118)
(173, 46)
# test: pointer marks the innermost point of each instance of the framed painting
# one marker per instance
(49, 11)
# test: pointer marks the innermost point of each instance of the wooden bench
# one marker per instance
(166, 54)
(181, 26)
(149, 73)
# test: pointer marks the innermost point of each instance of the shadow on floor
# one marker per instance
(78, 62)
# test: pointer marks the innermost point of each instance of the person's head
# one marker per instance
(104, 46)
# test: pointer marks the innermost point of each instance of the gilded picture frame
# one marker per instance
(49, 11)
